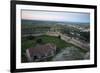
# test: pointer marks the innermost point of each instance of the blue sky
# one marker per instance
(56, 16)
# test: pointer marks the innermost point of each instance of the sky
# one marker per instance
(55, 16)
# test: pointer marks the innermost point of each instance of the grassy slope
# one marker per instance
(26, 43)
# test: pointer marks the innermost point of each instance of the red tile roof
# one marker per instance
(42, 49)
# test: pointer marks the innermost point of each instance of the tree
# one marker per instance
(86, 36)
(59, 37)
(40, 41)
(30, 37)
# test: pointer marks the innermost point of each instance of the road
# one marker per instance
(75, 42)
(79, 43)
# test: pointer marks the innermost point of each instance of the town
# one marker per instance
(54, 41)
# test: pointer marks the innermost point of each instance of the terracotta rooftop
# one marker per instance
(42, 49)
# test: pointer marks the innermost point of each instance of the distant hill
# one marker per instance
(38, 22)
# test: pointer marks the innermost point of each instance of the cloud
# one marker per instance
(55, 16)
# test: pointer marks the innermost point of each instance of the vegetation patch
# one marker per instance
(30, 42)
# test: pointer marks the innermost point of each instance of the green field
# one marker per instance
(29, 42)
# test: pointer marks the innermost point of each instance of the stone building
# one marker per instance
(40, 52)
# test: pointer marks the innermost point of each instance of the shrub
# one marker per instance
(40, 41)
(59, 37)
(31, 37)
